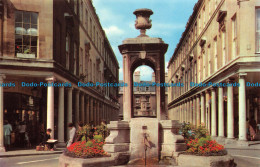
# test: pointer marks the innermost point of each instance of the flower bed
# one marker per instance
(82, 149)
(199, 142)
(90, 141)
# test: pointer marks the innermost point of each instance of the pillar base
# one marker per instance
(242, 143)
(230, 140)
(61, 145)
(220, 140)
(2, 149)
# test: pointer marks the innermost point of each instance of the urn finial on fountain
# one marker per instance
(143, 21)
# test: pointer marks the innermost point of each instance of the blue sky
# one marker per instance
(168, 22)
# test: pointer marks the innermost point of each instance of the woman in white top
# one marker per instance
(72, 134)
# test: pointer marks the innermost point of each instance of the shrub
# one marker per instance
(186, 131)
(200, 143)
(200, 131)
(98, 138)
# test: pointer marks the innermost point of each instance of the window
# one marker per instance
(258, 30)
(26, 34)
(147, 98)
(90, 27)
(68, 50)
(195, 73)
(86, 19)
(210, 9)
(215, 54)
(75, 58)
(234, 36)
(209, 61)
(200, 25)
(81, 62)
(204, 64)
(199, 68)
(137, 100)
(223, 36)
(146, 88)
(204, 17)
(81, 11)
(76, 6)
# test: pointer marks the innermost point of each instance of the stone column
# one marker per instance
(179, 109)
(76, 109)
(242, 107)
(188, 111)
(202, 100)
(194, 112)
(213, 113)
(69, 108)
(198, 110)
(91, 110)
(87, 110)
(50, 106)
(230, 112)
(95, 111)
(220, 113)
(82, 103)
(207, 110)
(127, 90)
(2, 146)
(61, 117)
(97, 115)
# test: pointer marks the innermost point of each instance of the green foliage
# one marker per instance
(203, 140)
(186, 131)
(98, 138)
(200, 131)
(89, 143)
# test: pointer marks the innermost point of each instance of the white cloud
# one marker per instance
(114, 31)
(145, 72)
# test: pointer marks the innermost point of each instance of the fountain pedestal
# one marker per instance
(140, 138)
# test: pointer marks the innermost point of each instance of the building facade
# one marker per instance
(144, 98)
(50, 50)
(220, 50)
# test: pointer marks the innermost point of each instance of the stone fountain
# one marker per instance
(143, 140)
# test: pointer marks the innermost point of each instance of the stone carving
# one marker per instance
(143, 21)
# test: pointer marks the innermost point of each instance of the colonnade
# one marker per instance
(207, 108)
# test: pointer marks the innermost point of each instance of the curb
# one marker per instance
(30, 154)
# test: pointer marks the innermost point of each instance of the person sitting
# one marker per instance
(46, 137)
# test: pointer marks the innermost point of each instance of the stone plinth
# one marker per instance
(119, 139)
(171, 141)
(140, 127)
(117, 143)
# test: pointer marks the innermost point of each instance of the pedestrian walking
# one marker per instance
(7, 134)
(72, 134)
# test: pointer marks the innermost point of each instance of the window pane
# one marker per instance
(257, 30)
(18, 16)
(33, 41)
(26, 17)
(26, 27)
(19, 29)
(18, 49)
(34, 17)
(18, 39)
(26, 40)
(34, 50)
(26, 49)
